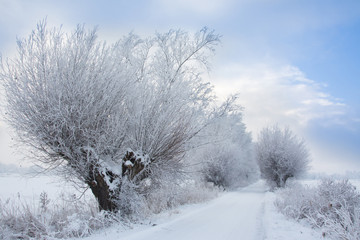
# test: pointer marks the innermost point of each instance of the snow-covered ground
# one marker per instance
(245, 214)
(248, 213)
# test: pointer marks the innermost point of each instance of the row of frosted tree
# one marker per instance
(126, 118)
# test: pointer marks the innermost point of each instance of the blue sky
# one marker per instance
(296, 63)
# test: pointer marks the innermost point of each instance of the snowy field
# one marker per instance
(248, 213)
(29, 187)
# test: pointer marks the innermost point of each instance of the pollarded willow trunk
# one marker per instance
(101, 190)
(134, 164)
(106, 185)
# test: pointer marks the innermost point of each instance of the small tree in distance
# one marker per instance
(280, 155)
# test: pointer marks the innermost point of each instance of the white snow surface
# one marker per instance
(248, 213)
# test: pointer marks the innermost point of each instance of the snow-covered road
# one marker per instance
(246, 214)
(235, 215)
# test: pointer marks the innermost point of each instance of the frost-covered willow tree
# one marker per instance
(280, 155)
(109, 114)
(228, 158)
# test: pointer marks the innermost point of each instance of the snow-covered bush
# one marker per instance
(333, 206)
(64, 217)
(131, 202)
(179, 193)
(281, 155)
(228, 168)
(227, 160)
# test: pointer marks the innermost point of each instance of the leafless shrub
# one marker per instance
(333, 206)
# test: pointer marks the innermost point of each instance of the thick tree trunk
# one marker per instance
(102, 193)
(132, 169)
(98, 182)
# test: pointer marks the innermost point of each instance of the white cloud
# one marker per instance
(278, 94)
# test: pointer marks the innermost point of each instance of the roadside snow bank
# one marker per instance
(279, 227)
(332, 206)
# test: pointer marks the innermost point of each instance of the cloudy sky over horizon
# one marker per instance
(295, 63)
